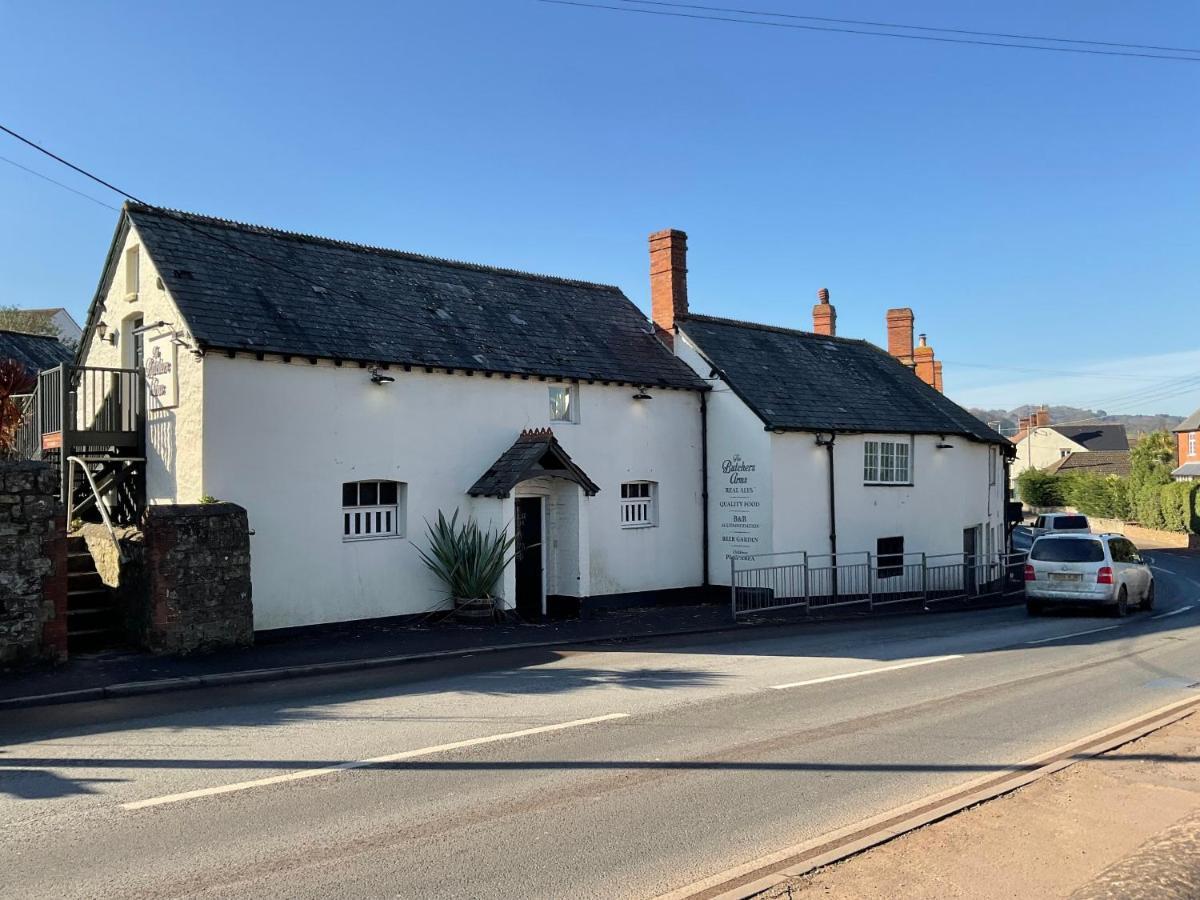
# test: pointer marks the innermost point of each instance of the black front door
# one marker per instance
(529, 557)
(970, 557)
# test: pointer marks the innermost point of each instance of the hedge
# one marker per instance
(1166, 507)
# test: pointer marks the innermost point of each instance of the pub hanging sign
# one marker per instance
(162, 386)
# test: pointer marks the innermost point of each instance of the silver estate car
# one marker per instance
(1103, 570)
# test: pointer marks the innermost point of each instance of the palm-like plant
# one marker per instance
(468, 560)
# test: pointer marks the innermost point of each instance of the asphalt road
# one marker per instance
(616, 771)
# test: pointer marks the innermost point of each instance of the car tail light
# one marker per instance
(1030, 574)
(1104, 576)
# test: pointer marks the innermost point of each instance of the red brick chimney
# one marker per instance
(937, 374)
(923, 358)
(1041, 418)
(824, 315)
(668, 279)
(900, 334)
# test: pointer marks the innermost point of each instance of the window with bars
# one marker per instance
(887, 462)
(639, 504)
(564, 403)
(889, 557)
(372, 509)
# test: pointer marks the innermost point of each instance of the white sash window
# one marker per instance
(887, 462)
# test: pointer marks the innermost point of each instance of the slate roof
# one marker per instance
(536, 452)
(34, 351)
(1095, 437)
(798, 380)
(1187, 470)
(1191, 423)
(250, 288)
(1099, 462)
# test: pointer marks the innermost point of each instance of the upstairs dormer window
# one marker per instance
(132, 273)
(564, 403)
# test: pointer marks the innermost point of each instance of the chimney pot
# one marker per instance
(924, 363)
(668, 279)
(824, 314)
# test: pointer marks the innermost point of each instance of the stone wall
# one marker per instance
(195, 578)
(1145, 538)
(33, 564)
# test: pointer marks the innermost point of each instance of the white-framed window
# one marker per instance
(1192, 443)
(372, 509)
(132, 273)
(564, 403)
(639, 504)
(887, 462)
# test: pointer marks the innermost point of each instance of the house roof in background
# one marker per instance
(1099, 462)
(1189, 469)
(1191, 423)
(1095, 437)
(34, 351)
(250, 288)
(798, 380)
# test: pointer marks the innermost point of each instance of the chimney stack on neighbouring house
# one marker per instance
(668, 279)
(824, 315)
(937, 374)
(923, 359)
(1041, 418)
(900, 334)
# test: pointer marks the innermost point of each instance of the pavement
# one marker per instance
(613, 770)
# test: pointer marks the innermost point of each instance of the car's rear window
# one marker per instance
(1067, 550)
(1070, 522)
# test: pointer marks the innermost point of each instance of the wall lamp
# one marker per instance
(942, 445)
(102, 332)
(641, 393)
(380, 377)
(825, 441)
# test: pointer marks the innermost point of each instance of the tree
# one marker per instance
(13, 318)
(1150, 465)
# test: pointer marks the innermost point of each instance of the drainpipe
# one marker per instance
(704, 480)
(828, 445)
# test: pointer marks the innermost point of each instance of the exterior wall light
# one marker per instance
(641, 393)
(942, 445)
(379, 377)
(102, 333)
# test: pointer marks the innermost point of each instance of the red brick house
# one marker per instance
(1187, 448)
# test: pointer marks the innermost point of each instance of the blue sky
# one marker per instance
(1038, 211)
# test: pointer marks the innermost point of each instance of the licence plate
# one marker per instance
(1065, 576)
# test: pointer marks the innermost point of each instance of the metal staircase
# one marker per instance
(91, 422)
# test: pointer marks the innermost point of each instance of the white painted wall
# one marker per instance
(952, 490)
(174, 436)
(1042, 447)
(280, 438)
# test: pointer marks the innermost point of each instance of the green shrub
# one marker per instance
(1094, 495)
(1037, 488)
(1178, 505)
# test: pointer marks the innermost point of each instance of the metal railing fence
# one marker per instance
(776, 581)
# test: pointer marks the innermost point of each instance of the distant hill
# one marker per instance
(1134, 425)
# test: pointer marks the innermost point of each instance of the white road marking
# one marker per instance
(1174, 612)
(362, 763)
(1063, 637)
(861, 673)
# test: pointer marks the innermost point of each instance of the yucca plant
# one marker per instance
(468, 560)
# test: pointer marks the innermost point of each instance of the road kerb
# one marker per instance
(762, 874)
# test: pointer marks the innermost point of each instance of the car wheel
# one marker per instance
(1122, 608)
(1148, 600)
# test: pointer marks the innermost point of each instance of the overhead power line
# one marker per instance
(65, 187)
(996, 34)
(681, 14)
